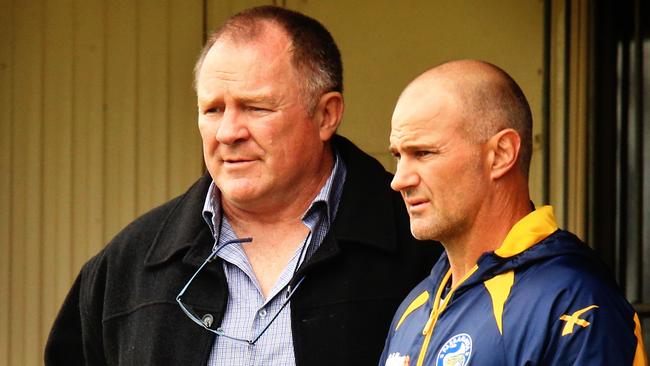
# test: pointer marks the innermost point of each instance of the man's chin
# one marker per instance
(238, 195)
(421, 233)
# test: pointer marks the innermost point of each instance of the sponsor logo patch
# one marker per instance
(395, 359)
(574, 319)
(456, 351)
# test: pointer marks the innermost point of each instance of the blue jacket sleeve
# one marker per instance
(592, 329)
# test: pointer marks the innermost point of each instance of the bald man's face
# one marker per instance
(439, 170)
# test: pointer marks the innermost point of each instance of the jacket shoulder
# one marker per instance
(135, 239)
(568, 263)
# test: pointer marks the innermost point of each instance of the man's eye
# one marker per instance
(214, 110)
(257, 109)
(422, 153)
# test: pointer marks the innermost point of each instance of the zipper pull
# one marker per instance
(429, 325)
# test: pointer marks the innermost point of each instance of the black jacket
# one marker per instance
(122, 309)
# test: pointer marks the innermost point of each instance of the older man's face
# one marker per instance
(259, 142)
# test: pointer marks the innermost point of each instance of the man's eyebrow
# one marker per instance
(202, 100)
(245, 99)
(255, 99)
(415, 145)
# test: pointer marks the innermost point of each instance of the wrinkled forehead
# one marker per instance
(426, 112)
(269, 42)
(263, 58)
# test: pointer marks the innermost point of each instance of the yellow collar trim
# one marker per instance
(528, 231)
(437, 309)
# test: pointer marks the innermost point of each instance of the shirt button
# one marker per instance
(262, 313)
(207, 320)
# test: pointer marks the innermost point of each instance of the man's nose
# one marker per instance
(232, 128)
(405, 177)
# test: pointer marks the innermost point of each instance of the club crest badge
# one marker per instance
(456, 351)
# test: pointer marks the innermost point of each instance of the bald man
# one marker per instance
(511, 288)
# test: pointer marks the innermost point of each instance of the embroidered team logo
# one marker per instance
(456, 351)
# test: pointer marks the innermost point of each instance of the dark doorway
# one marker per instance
(619, 145)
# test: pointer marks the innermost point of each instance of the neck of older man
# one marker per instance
(507, 202)
(277, 230)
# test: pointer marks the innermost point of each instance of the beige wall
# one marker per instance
(97, 117)
(97, 126)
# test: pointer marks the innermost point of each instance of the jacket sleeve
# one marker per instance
(598, 332)
(385, 352)
(64, 343)
(75, 337)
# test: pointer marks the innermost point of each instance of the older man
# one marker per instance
(511, 288)
(293, 250)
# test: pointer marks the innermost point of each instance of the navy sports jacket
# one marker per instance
(542, 298)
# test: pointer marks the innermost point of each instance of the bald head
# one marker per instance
(488, 98)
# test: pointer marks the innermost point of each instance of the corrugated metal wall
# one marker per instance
(97, 121)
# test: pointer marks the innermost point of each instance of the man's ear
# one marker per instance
(328, 114)
(504, 152)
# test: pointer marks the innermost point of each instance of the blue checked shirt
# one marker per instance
(248, 312)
